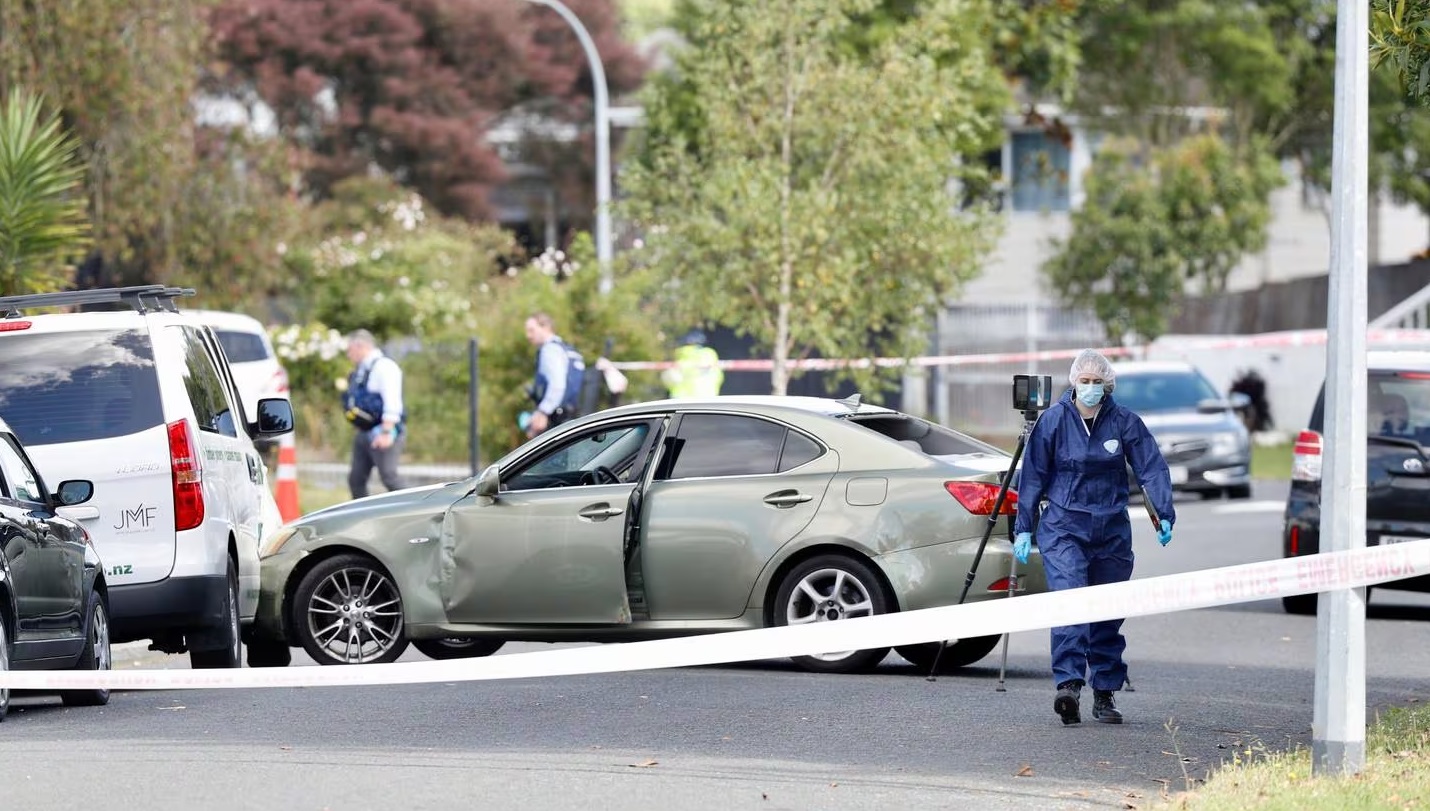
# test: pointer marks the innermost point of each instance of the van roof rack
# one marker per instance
(141, 297)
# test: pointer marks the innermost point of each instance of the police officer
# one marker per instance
(696, 372)
(1076, 459)
(373, 405)
(560, 372)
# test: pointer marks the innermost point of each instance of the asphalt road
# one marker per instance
(1207, 685)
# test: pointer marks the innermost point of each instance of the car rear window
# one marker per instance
(931, 438)
(1398, 404)
(60, 387)
(1149, 392)
(241, 347)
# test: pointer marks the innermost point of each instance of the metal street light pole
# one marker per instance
(603, 138)
(1338, 725)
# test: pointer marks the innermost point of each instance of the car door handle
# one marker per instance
(599, 512)
(787, 498)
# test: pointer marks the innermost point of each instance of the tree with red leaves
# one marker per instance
(410, 87)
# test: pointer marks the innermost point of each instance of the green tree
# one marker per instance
(1146, 231)
(1400, 39)
(807, 194)
(43, 226)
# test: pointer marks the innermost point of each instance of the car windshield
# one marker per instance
(1398, 406)
(241, 347)
(73, 386)
(1149, 392)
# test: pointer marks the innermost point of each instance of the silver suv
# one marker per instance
(142, 403)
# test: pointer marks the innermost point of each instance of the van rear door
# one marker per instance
(85, 402)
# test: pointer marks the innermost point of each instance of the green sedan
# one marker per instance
(653, 520)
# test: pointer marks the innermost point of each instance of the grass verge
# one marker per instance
(316, 498)
(1396, 774)
(1271, 462)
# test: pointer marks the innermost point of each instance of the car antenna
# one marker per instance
(852, 402)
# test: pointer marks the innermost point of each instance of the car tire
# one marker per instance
(456, 648)
(268, 653)
(96, 655)
(327, 601)
(956, 654)
(1303, 604)
(851, 589)
(222, 646)
(1239, 491)
(4, 666)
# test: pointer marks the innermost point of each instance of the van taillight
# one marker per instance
(188, 476)
(1306, 457)
(978, 497)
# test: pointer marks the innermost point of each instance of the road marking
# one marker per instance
(1251, 507)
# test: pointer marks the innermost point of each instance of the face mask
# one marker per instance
(1089, 394)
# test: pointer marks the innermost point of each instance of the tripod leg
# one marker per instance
(1012, 588)
(987, 531)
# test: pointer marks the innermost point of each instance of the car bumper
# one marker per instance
(1211, 473)
(274, 573)
(933, 576)
(1302, 536)
(142, 610)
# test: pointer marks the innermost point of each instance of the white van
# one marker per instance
(142, 402)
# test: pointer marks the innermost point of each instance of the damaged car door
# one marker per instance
(548, 546)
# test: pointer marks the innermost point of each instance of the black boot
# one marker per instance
(1103, 709)
(1066, 704)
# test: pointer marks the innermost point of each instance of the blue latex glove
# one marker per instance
(1165, 536)
(1022, 545)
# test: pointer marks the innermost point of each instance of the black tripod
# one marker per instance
(1030, 418)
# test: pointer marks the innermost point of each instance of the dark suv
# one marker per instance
(53, 601)
(1397, 468)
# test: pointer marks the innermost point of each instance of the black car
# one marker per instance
(1397, 468)
(53, 608)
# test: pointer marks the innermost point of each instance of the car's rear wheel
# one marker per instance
(829, 588)
(263, 652)
(1299, 604)
(457, 648)
(96, 656)
(347, 611)
(220, 647)
(4, 666)
(957, 653)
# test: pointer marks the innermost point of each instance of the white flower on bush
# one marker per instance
(407, 213)
(299, 342)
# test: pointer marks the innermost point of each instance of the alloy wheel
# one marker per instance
(355, 615)
(828, 595)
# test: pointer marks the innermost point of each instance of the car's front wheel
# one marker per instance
(96, 656)
(457, 648)
(956, 653)
(348, 611)
(829, 588)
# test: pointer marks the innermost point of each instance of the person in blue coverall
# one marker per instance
(1076, 460)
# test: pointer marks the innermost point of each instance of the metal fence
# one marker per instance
(978, 399)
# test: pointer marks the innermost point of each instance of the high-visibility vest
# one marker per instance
(697, 373)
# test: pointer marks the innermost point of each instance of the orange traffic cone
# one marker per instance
(285, 490)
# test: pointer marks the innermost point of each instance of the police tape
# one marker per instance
(1268, 340)
(1205, 588)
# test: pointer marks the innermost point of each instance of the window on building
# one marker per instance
(1040, 169)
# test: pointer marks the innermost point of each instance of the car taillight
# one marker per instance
(188, 476)
(14, 326)
(279, 383)
(1295, 541)
(1306, 457)
(1001, 584)
(978, 497)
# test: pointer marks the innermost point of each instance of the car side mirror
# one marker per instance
(74, 491)
(1213, 405)
(275, 417)
(489, 482)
